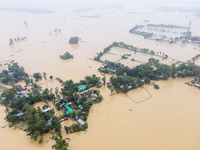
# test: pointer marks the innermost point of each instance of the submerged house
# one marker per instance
(197, 85)
(95, 95)
(86, 91)
(69, 109)
(24, 95)
(48, 122)
(20, 114)
(46, 110)
(3, 98)
(23, 87)
(81, 122)
(81, 87)
(18, 93)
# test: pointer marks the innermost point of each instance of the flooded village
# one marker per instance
(99, 76)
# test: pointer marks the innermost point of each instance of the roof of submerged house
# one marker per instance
(20, 114)
(81, 122)
(46, 110)
(81, 87)
(69, 109)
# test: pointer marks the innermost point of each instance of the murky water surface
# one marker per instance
(168, 120)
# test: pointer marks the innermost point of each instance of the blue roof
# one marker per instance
(20, 114)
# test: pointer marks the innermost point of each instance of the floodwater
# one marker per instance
(168, 120)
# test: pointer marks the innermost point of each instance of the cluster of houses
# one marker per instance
(22, 94)
(81, 90)
(108, 69)
(183, 70)
(67, 107)
(68, 111)
(44, 111)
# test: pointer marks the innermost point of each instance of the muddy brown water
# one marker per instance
(169, 120)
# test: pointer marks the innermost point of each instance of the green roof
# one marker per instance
(68, 108)
(81, 87)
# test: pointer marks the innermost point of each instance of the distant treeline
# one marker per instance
(166, 26)
(129, 47)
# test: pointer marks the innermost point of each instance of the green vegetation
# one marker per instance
(37, 76)
(61, 144)
(129, 47)
(144, 34)
(14, 74)
(125, 56)
(51, 77)
(166, 26)
(66, 56)
(2, 88)
(41, 121)
(126, 78)
(73, 40)
(156, 86)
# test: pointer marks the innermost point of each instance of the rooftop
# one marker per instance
(88, 90)
(45, 110)
(48, 122)
(20, 114)
(81, 122)
(69, 109)
(80, 87)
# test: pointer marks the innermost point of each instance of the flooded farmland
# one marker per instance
(168, 120)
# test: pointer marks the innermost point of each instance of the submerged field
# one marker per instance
(168, 120)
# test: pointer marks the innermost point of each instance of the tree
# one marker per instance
(66, 56)
(37, 76)
(56, 90)
(26, 80)
(60, 144)
(173, 70)
(56, 123)
(156, 86)
(104, 80)
(125, 89)
(73, 40)
(7, 110)
(41, 140)
(51, 77)
(11, 41)
(11, 118)
(44, 75)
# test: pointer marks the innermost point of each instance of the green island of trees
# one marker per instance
(66, 56)
(14, 74)
(74, 40)
(125, 78)
(39, 121)
(129, 47)
(37, 76)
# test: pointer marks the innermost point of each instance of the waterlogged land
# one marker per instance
(169, 120)
(154, 124)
